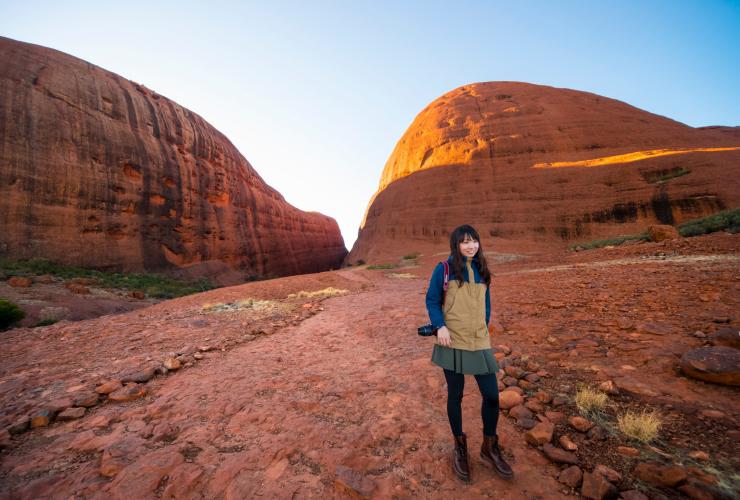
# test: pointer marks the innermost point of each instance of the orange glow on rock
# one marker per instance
(629, 157)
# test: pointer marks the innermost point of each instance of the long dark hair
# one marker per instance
(458, 260)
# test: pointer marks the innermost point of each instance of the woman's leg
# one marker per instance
(488, 386)
(455, 386)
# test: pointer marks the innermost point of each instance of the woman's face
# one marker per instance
(469, 246)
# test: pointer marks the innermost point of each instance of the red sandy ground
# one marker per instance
(294, 398)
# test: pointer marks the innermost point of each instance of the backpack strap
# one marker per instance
(446, 281)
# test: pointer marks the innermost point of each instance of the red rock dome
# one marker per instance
(532, 163)
(96, 170)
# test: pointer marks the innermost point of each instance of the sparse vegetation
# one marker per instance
(238, 305)
(590, 400)
(153, 285)
(401, 275)
(618, 240)
(643, 426)
(663, 175)
(326, 292)
(46, 322)
(360, 262)
(726, 220)
(411, 256)
(10, 313)
(382, 266)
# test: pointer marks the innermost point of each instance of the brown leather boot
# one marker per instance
(490, 453)
(460, 458)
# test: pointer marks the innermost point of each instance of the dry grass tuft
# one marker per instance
(401, 275)
(326, 292)
(643, 426)
(239, 305)
(590, 400)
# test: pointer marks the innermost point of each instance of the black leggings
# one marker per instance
(488, 386)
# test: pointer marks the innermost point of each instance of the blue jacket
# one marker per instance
(435, 292)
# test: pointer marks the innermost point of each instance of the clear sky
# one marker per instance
(315, 94)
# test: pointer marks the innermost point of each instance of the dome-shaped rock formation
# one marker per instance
(99, 171)
(525, 162)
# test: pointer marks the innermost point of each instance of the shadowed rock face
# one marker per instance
(99, 171)
(538, 164)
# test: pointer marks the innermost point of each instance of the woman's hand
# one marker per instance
(443, 337)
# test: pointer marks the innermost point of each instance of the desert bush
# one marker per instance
(381, 266)
(411, 256)
(590, 400)
(643, 426)
(10, 314)
(326, 292)
(726, 220)
(46, 322)
(617, 240)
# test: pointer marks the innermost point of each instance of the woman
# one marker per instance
(461, 315)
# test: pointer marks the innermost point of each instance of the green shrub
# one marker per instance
(46, 322)
(726, 220)
(381, 266)
(618, 240)
(10, 313)
(360, 262)
(410, 256)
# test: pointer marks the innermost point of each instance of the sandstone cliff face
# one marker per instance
(532, 163)
(99, 171)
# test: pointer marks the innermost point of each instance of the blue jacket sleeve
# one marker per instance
(434, 297)
(488, 305)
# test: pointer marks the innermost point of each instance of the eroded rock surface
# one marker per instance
(99, 171)
(544, 165)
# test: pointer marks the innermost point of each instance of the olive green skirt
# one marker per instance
(467, 362)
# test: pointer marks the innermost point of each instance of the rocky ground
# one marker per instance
(258, 390)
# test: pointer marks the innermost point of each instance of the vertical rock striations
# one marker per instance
(99, 171)
(532, 163)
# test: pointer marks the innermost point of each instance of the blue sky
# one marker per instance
(316, 94)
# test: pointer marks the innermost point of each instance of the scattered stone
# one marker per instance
(165, 432)
(633, 386)
(559, 455)
(100, 422)
(660, 475)
(353, 482)
(172, 364)
(41, 419)
(19, 426)
(137, 294)
(44, 279)
(571, 476)
(567, 444)
(516, 389)
(610, 474)
(4, 438)
(559, 400)
(532, 378)
(628, 451)
(540, 433)
(579, 423)
(717, 364)
(198, 355)
(596, 487)
(205, 348)
(633, 495)
(520, 411)
(78, 289)
(129, 392)
(59, 405)
(112, 462)
(698, 491)
(71, 414)
(713, 414)
(699, 334)
(728, 337)
(87, 400)
(108, 387)
(509, 399)
(508, 381)
(662, 232)
(554, 416)
(524, 384)
(699, 455)
(534, 405)
(514, 371)
(526, 423)
(504, 348)
(609, 387)
(596, 433)
(19, 282)
(140, 376)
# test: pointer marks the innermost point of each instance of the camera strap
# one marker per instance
(446, 281)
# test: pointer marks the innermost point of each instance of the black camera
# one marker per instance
(427, 330)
